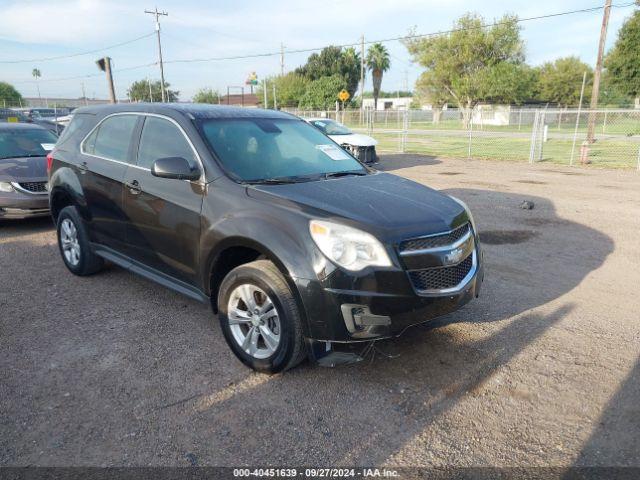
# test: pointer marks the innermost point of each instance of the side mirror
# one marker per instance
(174, 167)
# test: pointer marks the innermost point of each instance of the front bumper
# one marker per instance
(18, 205)
(390, 302)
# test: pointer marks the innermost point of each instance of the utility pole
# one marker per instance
(84, 95)
(157, 15)
(281, 58)
(361, 76)
(598, 71)
(104, 64)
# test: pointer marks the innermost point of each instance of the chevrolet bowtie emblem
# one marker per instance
(454, 256)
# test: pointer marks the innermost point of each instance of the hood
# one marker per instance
(29, 169)
(384, 204)
(356, 139)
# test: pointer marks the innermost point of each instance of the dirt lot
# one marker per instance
(543, 369)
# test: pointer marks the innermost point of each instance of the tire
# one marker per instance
(255, 281)
(73, 242)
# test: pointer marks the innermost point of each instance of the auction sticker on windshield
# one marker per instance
(48, 146)
(333, 152)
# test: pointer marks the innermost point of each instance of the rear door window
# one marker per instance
(112, 139)
(160, 139)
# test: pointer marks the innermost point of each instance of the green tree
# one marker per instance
(9, 95)
(459, 64)
(378, 62)
(334, 61)
(206, 95)
(290, 89)
(560, 81)
(147, 91)
(611, 95)
(509, 83)
(623, 61)
(426, 94)
(37, 74)
(323, 93)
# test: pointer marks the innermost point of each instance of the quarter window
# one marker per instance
(160, 139)
(112, 138)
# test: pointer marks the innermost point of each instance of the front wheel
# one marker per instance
(260, 318)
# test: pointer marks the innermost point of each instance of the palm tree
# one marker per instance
(378, 62)
(36, 74)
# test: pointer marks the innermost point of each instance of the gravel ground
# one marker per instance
(543, 369)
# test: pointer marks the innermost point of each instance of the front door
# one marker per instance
(163, 227)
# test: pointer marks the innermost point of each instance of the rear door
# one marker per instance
(163, 229)
(105, 155)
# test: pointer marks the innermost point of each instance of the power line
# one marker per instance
(394, 39)
(306, 50)
(79, 54)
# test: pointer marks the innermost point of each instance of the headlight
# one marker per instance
(6, 187)
(348, 247)
(464, 205)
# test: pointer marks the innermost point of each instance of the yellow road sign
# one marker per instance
(343, 96)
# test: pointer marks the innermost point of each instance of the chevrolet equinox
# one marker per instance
(299, 248)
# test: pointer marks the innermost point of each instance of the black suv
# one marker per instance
(299, 247)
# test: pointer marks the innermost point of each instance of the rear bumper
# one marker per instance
(23, 205)
(389, 305)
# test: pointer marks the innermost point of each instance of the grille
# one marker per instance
(441, 278)
(435, 240)
(364, 154)
(35, 187)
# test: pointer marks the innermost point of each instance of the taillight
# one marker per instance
(49, 162)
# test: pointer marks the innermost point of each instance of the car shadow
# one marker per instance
(391, 162)
(28, 226)
(615, 439)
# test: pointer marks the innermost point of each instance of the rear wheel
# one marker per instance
(260, 318)
(73, 241)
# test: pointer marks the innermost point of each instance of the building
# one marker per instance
(391, 103)
(241, 100)
(491, 115)
(35, 102)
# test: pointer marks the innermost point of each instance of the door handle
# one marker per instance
(83, 167)
(134, 187)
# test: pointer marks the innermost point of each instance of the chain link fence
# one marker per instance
(502, 133)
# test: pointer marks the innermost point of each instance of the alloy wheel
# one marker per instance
(254, 321)
(69, 242)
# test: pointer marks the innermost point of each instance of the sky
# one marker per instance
(35, 29)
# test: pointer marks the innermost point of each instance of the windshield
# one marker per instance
(255, 149)
(331, 127)
(25, 142)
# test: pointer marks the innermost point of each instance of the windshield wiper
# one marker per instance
(23, 156)
(279, 180)
(344, 174)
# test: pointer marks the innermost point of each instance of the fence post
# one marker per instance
(575, 136)
(470, 135)
(520, 119)
(604, 124)
(405, 128)
(543, 129)
(639, 159)
(534, 134)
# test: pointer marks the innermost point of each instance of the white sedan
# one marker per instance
(360, 146)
